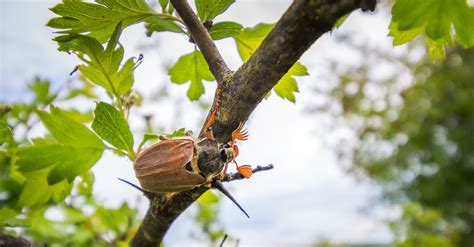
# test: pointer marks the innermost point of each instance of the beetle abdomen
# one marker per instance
(161, 167)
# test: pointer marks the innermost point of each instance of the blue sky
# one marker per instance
(307, 197)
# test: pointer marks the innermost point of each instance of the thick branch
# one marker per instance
(303, 23)
(203, 40)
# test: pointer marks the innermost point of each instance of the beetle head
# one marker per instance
(227, 153)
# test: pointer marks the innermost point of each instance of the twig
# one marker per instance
(236, 176)
(203, 40)
(223, 240)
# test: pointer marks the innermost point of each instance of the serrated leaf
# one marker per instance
(401, 37)
(5, 132)
(249, 40)
(209, 9)
(76, 149)
(110, 124)
(36, 189)
(435, 18)
(99, 18)
(287, 86)
(158, 24)
(180, 133)
(225, 29)
(102, 65)
(193, 68)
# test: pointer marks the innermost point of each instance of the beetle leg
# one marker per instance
(209, 123)
(222, 174)
(245, 170)
(163, 138)
(240, 133)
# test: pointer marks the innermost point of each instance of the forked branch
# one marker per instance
(301, 25)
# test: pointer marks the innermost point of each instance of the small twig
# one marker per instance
(223, 240)
(236, 176)
(201, 36)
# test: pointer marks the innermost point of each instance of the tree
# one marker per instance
(417, 149)
(270, 52)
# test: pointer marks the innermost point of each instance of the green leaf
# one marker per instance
(41, 89)
(225, 29)
(209, 9)
(8, 218)
(180, 133)
(147, 137)
(249, 40)
(209, 198)
(401, 37)
(110, 124)
(287, 86)
(191, 67)
(76, 151)
(435, 18)
(157, 24)
(340, 21)
(100, 18)
(163, 4)
(102, 66)
(5, 132)
(36, 189)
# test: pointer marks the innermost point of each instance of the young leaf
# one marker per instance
(249, 40)
(102, 66)
(98, 18)
(41, 89)
(435, 18)
(191, 67)
(287, 86)
(76, 151)
(112, 127)
(225, 29)
(147, 137)
(209, 9)
(157, 24)
(5, 132)
(36, 189)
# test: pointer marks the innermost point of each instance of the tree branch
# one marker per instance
(229, 177)
(203, 40)
(303, 23)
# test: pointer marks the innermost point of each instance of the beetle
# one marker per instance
(179, 164)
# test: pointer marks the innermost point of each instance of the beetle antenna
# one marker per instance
(133, 185)
(219, 186)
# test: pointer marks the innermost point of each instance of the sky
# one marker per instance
(306, 198)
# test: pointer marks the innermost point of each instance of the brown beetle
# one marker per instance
(174, 165)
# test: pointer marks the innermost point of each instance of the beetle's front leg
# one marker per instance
(209, 134)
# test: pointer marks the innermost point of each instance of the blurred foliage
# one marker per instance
(414, 139)
(206, 217)
(437, 19)
(28, 208)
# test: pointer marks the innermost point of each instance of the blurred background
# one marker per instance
(377, 150)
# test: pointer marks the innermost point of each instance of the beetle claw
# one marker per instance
(240, 133)
(245, 170)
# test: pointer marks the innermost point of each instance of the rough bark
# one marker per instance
(301, 25)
